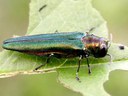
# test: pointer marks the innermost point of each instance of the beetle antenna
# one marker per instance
(88, 32)
(92, 29)
(110, 40)
(110, 58)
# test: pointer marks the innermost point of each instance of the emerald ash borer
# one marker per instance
(60, 45)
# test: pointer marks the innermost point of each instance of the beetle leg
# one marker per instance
(78, 68)
(110, 58)
(89, 68)
(44, 63)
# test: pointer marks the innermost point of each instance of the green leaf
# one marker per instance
(92, 85)
(63, 16)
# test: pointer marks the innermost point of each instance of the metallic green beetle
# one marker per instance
(60, 45)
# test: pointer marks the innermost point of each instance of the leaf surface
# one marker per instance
(49, 16)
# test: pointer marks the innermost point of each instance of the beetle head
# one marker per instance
(96, 46)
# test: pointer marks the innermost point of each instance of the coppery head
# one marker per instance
(96, 46)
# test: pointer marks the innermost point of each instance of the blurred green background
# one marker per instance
(14, 21)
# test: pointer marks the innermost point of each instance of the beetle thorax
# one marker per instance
(95, 45)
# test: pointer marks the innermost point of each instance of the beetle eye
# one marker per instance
(101, 51)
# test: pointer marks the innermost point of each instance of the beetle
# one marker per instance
(61, 45)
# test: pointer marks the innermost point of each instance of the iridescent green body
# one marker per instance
(43, 44)
(66, 45)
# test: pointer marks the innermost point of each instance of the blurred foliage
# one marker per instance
(115, 13)
(13, 20)
(33, 85)
(117, 85)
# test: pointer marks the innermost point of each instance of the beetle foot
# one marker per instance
(77, 77)
(89, 71)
